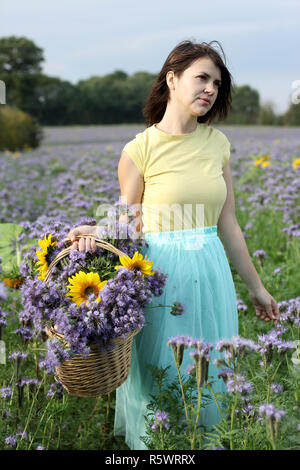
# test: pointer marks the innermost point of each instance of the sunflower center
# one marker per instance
(89, 290)
(48, 256)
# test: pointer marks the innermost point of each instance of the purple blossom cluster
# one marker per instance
(270, 342)
(179, 343)
(177, 309)
(276, 388)
(201, 359)
(39, 301)
(241, 306)
(200, 355)
(55, 390)
(6, 392)
(12, 440)
(18, 355)
(29, 382)
(181, 340)
(269, 411)
(238, 384)
(290, 311)
(225, 374)
(3, 321)
(260, 254)
(234, 349)
(161, 419)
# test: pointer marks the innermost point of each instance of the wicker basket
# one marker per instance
(101, 372)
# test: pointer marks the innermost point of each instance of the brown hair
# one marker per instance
(179, 59)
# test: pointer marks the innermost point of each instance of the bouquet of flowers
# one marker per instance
(91, 300)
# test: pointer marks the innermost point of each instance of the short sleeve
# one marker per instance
(226, 152)
(134, 150)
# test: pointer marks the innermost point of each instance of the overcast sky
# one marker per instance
(84, 38)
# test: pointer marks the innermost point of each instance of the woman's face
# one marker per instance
(201, 79)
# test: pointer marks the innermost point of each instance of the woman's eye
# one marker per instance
(204, 78)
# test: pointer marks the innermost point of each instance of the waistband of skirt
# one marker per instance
(204, 232)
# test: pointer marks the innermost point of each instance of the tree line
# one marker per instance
(113, 98)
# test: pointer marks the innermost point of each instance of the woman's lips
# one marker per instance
(203, 101)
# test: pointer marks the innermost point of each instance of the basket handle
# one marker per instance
(100, 243)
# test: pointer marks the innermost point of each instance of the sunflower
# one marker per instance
(296, 163)
(137, 261)
(13, 283)
(46, 245)
(82, 285)
(261, 160)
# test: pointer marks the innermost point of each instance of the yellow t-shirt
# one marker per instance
(183, 177)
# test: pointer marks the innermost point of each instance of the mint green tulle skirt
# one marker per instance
(199, 277)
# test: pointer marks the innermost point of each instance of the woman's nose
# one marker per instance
(209, 89)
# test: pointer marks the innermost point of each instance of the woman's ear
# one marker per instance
(170, 79)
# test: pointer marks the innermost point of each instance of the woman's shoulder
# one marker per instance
(135, 149)
(217, 135)
(140, 137)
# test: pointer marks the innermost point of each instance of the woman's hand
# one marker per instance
(83, 244)
(264, 304)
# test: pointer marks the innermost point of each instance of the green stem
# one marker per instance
(30, 410)
(287, 363)
(160, 305)
(183, 398)
(159, 395)
(271, 436)
(273, 376)
(45, 427)
(162, 436)
(253, 375)
(107, 406)
(60, 420)
(268, 386)
(50, 434)
(232, 421)
(197, 418)
(46, 408)
(289, 369)
(38, 426)
(217, 403)
(246, 437)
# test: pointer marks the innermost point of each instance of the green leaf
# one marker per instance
(9, 247)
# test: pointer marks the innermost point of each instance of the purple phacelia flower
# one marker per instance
(6, 392)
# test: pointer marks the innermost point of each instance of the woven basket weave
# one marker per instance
(101, 372)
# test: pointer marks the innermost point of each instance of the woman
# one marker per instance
(178, 169)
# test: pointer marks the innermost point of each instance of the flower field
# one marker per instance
(65, 180)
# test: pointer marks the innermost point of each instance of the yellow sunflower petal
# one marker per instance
(137, 261)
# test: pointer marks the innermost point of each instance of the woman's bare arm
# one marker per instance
(131, 185)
